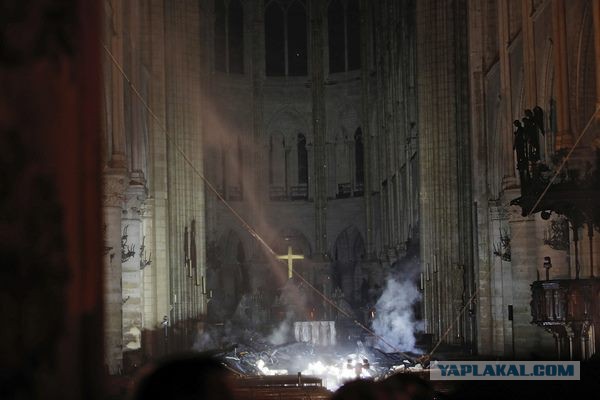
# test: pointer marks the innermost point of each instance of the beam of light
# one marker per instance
(252, 231)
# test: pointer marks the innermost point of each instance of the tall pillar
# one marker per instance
(158, 190)
(564, 136)
(185, 191)
(260, 187)
(446, 232)
(529, 59)
(117, 100)
(482, 309)
(596, 17)
(525, 255)
(149, 275)
(131, 225)
(317, 10)
(508, 168)
(365, 121)
(114, 188)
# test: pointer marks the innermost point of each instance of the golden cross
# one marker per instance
(289, 257)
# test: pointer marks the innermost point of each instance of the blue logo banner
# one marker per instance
(504, 370)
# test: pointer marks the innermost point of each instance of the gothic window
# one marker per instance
(271, 160)
(353, 34)
(235, 23)
(302, 160)
(286, 40)
(297, 39)
(220, 36)
(275, 40)
(359, 164)
(343, 21)
(277, 167)
(335, 21)
(232, 169)
(229, 36)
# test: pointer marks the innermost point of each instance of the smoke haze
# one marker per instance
(395, 320)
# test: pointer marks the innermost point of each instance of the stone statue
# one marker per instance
(520, 145)
(538, 118)
(531, 136)
(458, 284)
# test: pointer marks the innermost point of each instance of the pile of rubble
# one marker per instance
(333, 364)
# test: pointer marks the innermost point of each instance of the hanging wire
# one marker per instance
(240, 219)
(257, 236)
(517, 230)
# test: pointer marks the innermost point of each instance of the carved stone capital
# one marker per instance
(114, 188)
(147, 209)
(134, 198)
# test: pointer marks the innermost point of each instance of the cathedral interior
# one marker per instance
(287, 183)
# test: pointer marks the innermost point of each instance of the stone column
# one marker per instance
(149, 297)
(319, 125)
(158, 190)
(185, 191)
(131, 225)
(482, 308)
(117, 100)
(114, 187)
(506, 94)
(564, 136)
(259, 190)
(596, 16)
(529, 64)
(444, 145)
(526, 234)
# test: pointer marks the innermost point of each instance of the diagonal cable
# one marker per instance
(241, 220)
(531, 211)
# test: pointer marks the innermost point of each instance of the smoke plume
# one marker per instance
(281, 333)
(395, 319)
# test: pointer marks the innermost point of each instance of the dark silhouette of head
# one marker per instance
(407, 386)
(186, 377)
(360, 389)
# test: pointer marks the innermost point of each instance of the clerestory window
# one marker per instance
(286, 38)
(343, 21)
(229, 36)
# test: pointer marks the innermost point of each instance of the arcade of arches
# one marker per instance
(367, 139)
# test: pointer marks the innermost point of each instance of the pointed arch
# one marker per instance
(296, 239)
(229, 36)
(302, 160)
(220, 36)
(343, 21)
(232, 278)
(336, 34)
(231, 245)
(289, 155)
(348, 251)
(274, 40)
(277, 166)
(585, 93)
(297, 39)
(349, 245)
(235, 24)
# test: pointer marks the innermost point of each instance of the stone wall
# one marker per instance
(522, 55)
(154, 191)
